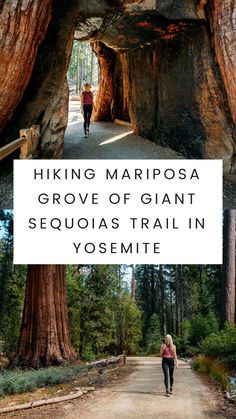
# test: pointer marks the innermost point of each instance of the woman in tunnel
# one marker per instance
(87, 106)
(169, 362)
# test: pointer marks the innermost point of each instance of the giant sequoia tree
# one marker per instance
(168, 67)
(228, 272)
(44, 337)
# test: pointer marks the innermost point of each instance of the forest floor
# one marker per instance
(106, 141)
(141, 395)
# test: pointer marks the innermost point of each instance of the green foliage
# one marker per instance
(183, 340)
(221, 344)
(12, 382)
(202, 326)
(213, 368)
(153, 341)
(74, 282)
(83, 65)
(12, 309)
(131, 325)
(97, 314)
(103, 317)
(12, 288)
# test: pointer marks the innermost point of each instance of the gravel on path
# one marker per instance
(142, 396)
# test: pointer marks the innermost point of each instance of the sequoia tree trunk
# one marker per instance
(228, 273)
(163, 300)
(23, 26)
(167, 67)
(177, 311)
(44, 337)
(104, 99)
(223, 23)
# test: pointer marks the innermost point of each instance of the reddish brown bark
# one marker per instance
(23, 25)
(104, 99)
(44, 338)
(228, 274)
(223, 24)
(161, 67)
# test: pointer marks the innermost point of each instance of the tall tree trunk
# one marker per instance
(171, 319)
(91, 67)
(133, 283)
(119, 313)
(44, 338)
(3, 274)
(181, 294)
(177, 320)
(228, 274)
(163, 300)
(105, 95)
(77, 69)
(223, 25)
(152, 283)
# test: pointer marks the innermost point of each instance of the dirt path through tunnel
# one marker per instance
(108, 140)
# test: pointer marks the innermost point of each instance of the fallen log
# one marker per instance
(45, 401)
(101, 363)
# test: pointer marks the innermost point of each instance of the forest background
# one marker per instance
(116, 308)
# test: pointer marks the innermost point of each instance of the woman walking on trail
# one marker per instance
(87, 106)
(169, 362)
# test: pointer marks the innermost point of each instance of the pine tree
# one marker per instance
(153, 340)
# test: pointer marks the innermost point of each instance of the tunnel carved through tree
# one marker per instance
(167, 67)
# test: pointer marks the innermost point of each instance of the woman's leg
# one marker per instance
(165, 370)
(90, 110)
(171, 372)
(85, 119)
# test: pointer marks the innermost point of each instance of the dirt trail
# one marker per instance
(142, 396)
(112, 141)
(108, 141)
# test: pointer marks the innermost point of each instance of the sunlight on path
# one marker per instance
(119, 140)
(117, 137)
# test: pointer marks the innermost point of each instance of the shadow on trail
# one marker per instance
(108, 140)
(156, 393)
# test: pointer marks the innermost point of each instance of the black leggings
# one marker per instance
(168, 366)
(87, 115)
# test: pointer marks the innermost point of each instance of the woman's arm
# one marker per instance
(175, 357)
(82, 102)
(162, 349)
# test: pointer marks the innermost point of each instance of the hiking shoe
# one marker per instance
(167, 393)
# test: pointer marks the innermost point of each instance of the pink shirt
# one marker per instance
(87, 98)
(168, 353)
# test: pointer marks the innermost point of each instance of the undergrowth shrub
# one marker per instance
(214, 368)
(221, 344)
(12, 382)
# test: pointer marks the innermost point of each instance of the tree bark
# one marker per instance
(44, 338)
(163, 301)
(168, 67)
(177, 311)
(223, 24)
(104, 99)
(23, 26)
(228, 273)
